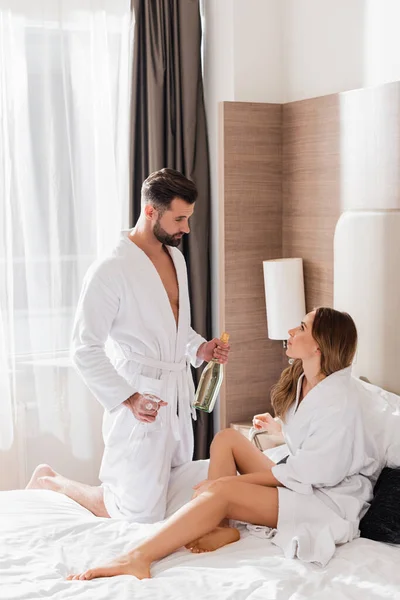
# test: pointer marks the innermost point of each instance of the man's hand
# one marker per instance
(144, 407)
(266, 422)
(214, 349)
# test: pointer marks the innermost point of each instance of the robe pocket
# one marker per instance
(149, 385)
(118, 425)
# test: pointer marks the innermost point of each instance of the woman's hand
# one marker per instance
(207, 484)
(266, 422)
(201, 487)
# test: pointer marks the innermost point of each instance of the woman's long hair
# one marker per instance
(336, 335)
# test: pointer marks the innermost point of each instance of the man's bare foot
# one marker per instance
(88, 496)
(221, 536)
(44, 477)
(130, 564)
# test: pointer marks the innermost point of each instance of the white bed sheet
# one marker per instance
(45, 536)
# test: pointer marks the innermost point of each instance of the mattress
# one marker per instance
(45, 536)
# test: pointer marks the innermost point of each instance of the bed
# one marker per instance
(45, 536)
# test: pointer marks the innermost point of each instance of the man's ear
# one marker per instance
(149, 211)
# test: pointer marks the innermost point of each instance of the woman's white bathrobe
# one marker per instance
(327, 476)
(124, 299)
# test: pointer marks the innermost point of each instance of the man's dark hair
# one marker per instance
(161, 187)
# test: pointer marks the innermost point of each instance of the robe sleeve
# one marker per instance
(325, 457)
(97, 308)
(194, 341)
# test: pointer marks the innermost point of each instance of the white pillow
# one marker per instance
(381, 411)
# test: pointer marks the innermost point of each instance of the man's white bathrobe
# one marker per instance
(124, 299)
(328, 475)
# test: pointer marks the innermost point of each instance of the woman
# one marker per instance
(315, 498)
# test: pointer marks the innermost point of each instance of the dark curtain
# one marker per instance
(169, 130)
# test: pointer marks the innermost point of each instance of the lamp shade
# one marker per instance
(284, 294)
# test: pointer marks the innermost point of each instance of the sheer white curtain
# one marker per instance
(64, 192)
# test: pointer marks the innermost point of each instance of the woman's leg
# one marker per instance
(231, 452)
(88, 496)
(233, 499)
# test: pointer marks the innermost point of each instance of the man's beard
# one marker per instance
(164, 237)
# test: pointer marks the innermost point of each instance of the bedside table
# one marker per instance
(262, 440)
(242, 426)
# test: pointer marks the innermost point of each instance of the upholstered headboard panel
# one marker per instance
(367, 285)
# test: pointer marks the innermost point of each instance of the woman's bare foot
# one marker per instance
(221, 536)
(88, 496)
(130, 564)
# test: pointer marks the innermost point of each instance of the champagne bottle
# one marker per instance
(210, 383)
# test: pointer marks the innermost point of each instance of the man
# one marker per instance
(138, 297)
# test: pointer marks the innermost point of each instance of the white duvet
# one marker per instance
(45, 536)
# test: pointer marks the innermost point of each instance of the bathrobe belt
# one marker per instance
(176, 386)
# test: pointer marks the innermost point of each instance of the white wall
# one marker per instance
(257, 50)
(332, 46)
(322, 47)
(381, 42)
